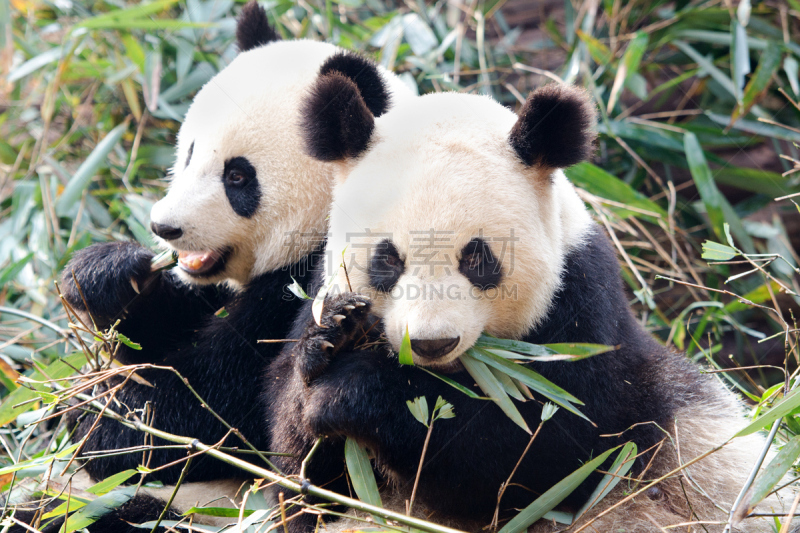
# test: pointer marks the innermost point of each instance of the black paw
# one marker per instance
(344, 322)
(106, 280)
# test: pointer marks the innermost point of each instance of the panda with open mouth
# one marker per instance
(246, 214)
(452, 218)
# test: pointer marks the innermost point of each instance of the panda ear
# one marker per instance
(338, 114)
(555, 128)
(252, 27)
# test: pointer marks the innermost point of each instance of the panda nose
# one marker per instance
(434, 348)
(166, 232)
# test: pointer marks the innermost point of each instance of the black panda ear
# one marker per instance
(252, 27)
(555, 128)
(364, 73)
(338, 114)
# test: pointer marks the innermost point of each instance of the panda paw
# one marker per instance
(344, 321)
(106, 279)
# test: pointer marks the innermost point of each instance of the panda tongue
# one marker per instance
(197, 262)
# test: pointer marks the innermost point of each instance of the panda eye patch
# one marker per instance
(241, 186)
(479, 265)
(386, 266)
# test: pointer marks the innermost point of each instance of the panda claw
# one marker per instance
(360, 304)
(349, 307)
(327, 345)
(135, 286)
(338, 318)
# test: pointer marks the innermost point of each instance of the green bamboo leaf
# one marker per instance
(484, 341)
(35, 63)
(706, 65)
(507, 384)
(773, 473)
(129, 343)
(455, 384)
(103, 487)
(628, 66)
(83, 176)
(714, 251)
(599, 51)
(530, 378)
(717, 207)
(10, 272)
(622, 465)
(597, 181)
(580, 350)
(786, 405)
(406, 356)
(419, 409)
(554, 496)
(57, 369)
(137, 11)
(768, 64)
(39, 461)
(97, 508)
(361, 475)
(492, 388)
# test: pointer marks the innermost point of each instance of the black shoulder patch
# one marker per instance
(364, 73)
(555, 127)
(337, 124)
(252, 27)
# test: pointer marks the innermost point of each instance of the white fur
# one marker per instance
(444, 164)
(252, 109)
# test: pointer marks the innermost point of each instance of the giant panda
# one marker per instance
(452, 217)
(246, 211)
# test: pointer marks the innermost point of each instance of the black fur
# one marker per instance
(241, 186)
(138, 510)
(337, 122)
(362, 394)
(385, 267)
(364, 73)
(479, 265)
(176, 326)
(253, 28)
(555, 127)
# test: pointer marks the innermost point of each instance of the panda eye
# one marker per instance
(234, 177)
(386, 266)
(479, 265)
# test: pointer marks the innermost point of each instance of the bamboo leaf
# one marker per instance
(786, 405)
(717, 207)
(57, 369)
(97, 508)
(455, 384)
(622, 465)
(600, 183)
(103, 487)
(419, 409)
(714, 251)
(492, 388)
(83, 176)
(628, 66)
(768, 64)
(361, 475)
(554, 496)
(406, 356)
(532, 379)
(773, 473)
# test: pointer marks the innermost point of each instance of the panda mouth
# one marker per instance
(203, 264)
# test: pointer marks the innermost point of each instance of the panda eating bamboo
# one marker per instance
(246, 212)
(452, 218)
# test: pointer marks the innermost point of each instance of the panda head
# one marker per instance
(244, 199)
(451, 212)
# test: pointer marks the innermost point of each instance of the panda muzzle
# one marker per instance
(198, 263)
